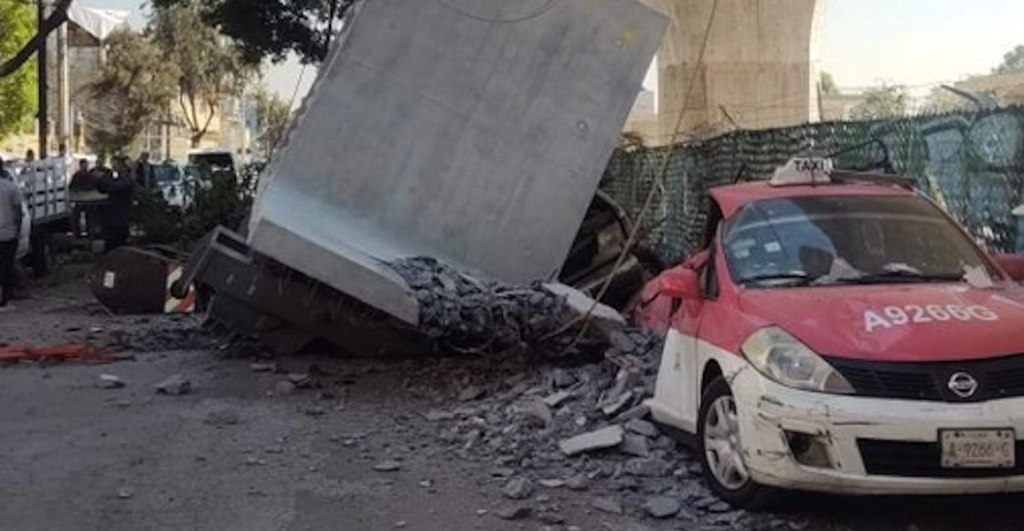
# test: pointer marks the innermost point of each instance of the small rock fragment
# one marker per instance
(538, 412)
(662, 506)
(622, 342)
(300, 379)
(635, 445)
(263, 367)
(642, 427)
(594, 440)
(471, 393)
(518, 488)
(109, 381)
(174, 385)
(513, 512)
(647, 467)
(578, 482)
(552, 483)
(387, 466)
(556, 398)
(617, 403)
(607, 504)
(125, 492)
(222, 416)
(551, 518)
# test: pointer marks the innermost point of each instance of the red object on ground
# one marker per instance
(74, 351)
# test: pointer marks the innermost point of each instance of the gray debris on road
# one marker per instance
(387, 466)
(263, 367)
(642, 427)
(662, 506)
(513, 512)
(518, 488)
(174, 385)
(109, 381)
(607, 504)
(595, 440)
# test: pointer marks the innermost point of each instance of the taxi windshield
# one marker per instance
(833, 240)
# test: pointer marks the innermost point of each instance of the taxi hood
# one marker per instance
(897, 322)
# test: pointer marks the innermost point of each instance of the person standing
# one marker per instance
(144, 171)
(11, 218)
(82, 188)
(120, 190)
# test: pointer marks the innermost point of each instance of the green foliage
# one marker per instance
(17, 91)
(270, 29)
(1013, 61)
(882, 102)
(208, 68)
(130, 94)
(273, 116)
(216, 198)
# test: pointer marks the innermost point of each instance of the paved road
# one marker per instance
(243, 451)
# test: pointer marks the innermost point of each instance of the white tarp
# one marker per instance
(99, 23)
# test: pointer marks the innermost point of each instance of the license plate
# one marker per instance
(978, 448)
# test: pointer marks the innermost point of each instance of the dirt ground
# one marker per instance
(248, 450)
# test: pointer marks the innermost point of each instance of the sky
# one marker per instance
(917, 43)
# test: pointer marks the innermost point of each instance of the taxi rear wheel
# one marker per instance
(721, 453)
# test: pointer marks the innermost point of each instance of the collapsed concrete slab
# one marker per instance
(470, 131)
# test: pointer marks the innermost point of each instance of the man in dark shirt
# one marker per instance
(83, 181)
(144, 171)
(120, 190)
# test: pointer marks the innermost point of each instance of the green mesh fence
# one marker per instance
(969, 162)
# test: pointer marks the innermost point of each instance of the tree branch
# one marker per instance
(58, 17)
(209, 118)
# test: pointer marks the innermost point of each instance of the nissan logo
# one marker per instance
(963, 385)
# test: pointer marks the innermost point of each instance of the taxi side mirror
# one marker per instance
(1013, 264)
(679, 283)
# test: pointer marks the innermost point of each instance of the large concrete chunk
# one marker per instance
(473, 131)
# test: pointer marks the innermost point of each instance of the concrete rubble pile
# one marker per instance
(584, 428)
(472, 314)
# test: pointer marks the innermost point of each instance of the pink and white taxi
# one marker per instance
(839, 332)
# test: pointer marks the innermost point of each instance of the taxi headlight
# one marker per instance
(786, 360)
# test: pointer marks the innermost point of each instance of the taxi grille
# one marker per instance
(995, 378)
(923, 460)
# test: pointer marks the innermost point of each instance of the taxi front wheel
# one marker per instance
(721, 453)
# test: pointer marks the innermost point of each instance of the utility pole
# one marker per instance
(44, 111)
(63, 89)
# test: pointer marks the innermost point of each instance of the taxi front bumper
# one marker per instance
(865, 445)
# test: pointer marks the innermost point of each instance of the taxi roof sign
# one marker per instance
(806, 170)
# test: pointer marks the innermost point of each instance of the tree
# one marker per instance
(208, 69)
(17, 91)
(131, 93)
(269, 29)
(828, 84)
(1013, 61)
(273, 117)
(882, 102)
